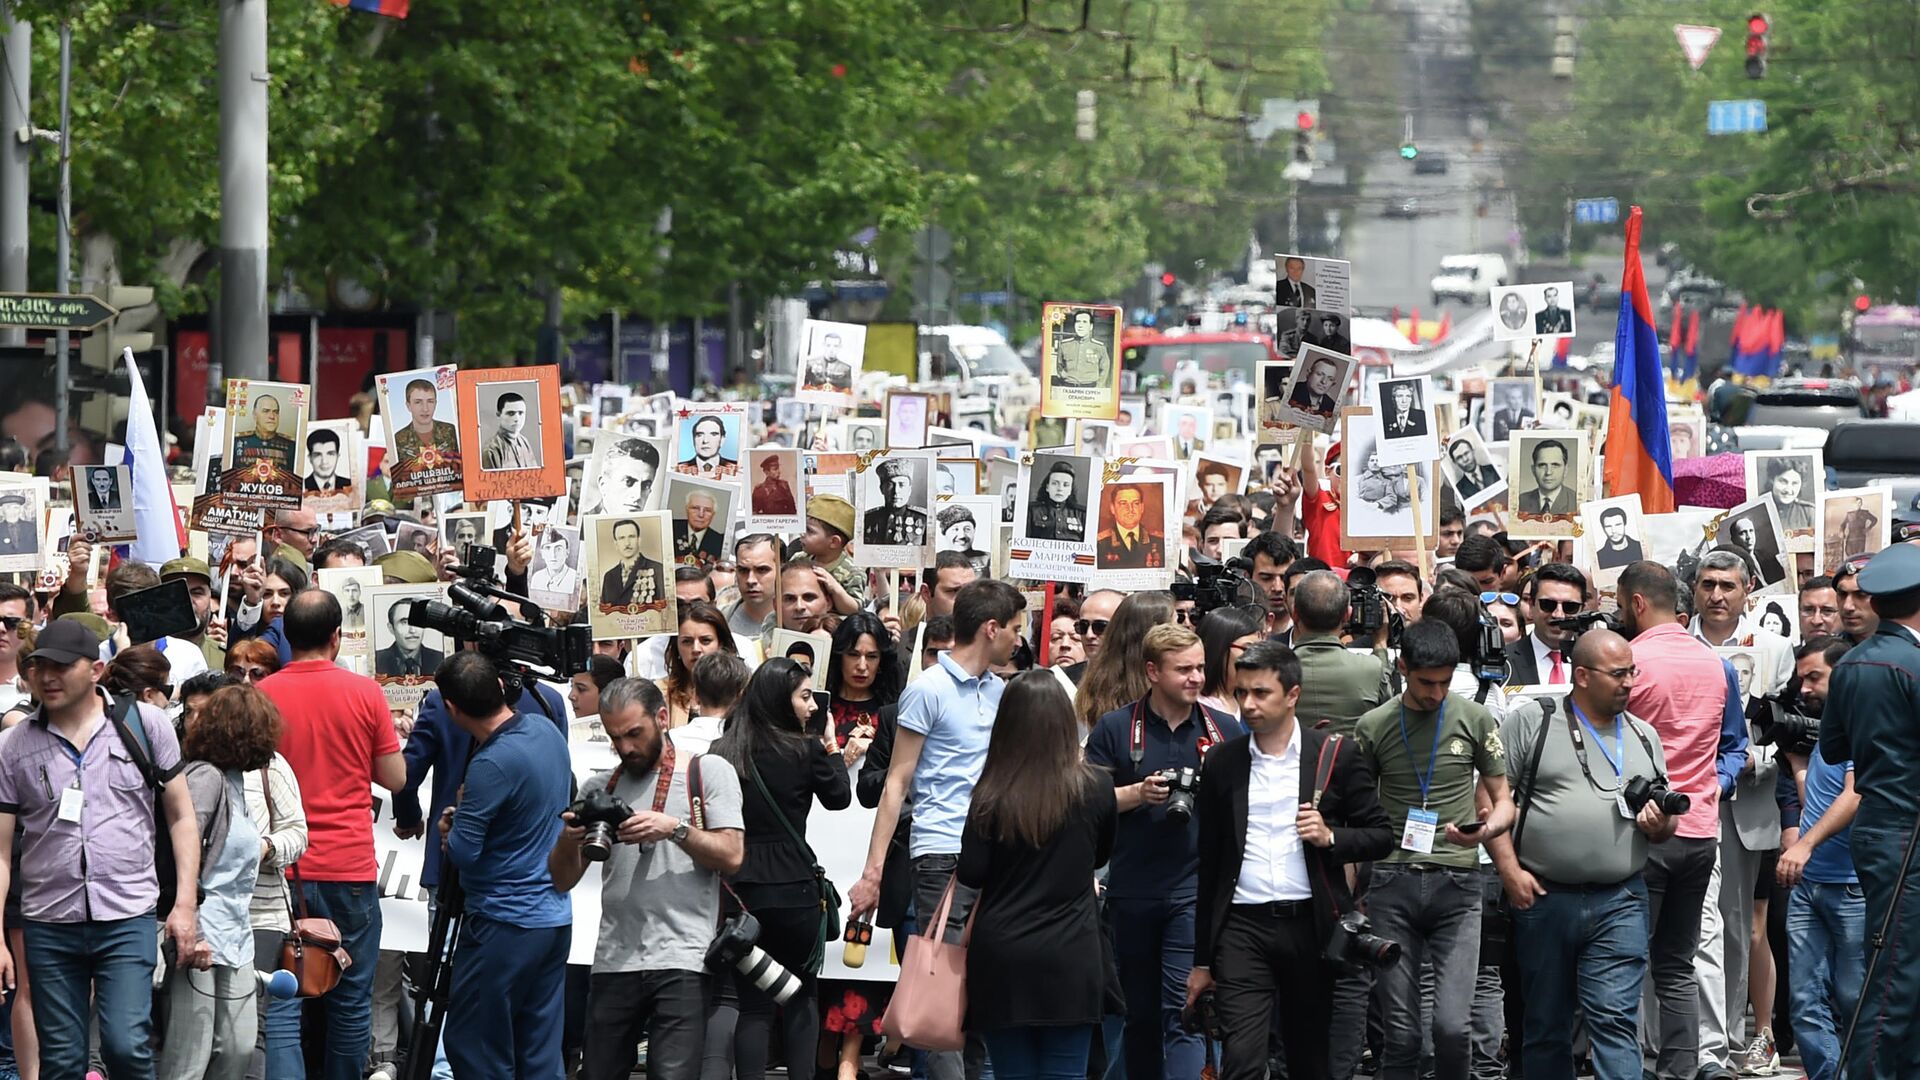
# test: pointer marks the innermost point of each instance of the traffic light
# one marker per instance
(1757, 27)
(1303, 144)
(1409, 151)
(1862, 302)
(1167, 279)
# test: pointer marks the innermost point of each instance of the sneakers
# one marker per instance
(383, 1071)
(1760, 1058)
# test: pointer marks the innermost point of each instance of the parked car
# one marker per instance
(1469, 278)
(1813, 403)
(1431, 163)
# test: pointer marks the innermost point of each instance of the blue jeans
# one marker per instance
(1153, 945)
(508, 1001)
(78, 967)
(1827, 950)
(1041, 1053)
(1586, 950)
(354, 907)
(1434, 913)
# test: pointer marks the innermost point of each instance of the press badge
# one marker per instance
(1620, 803)
(72, 800)
(1421, 825)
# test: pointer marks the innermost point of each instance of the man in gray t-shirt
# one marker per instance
(1572, 866)
(659, 893)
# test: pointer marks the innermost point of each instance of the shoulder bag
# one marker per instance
(929, 1006)
(829, 896)
(314, 950)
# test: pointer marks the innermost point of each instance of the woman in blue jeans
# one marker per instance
(1041, 821)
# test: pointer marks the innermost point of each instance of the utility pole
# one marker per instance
(1293, 216)
(16, 132)
(243, 188)
(61, 256)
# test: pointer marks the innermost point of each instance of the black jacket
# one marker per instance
(1361, 831)
(896, 875)
(1522, 668)
(793, 779)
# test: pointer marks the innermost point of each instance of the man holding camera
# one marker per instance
(1572, 868)
(659, 892)
(1154, 748)
(1280, 812)
(1339, 685)
(506, 1007)
(1436, 755)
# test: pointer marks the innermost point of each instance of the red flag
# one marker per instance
(1693, 332)
(1413, 327)
(1739, 321)
(1445, 327)
(1673, 335)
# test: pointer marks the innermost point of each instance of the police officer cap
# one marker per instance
(1895, 570)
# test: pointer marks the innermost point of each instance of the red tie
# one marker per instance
(1559, 674)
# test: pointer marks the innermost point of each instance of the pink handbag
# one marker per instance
(929, 1006)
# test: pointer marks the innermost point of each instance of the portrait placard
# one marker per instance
(1378, 499)
(1080, 360)
(510, 425)
(103, 503)
(1793, 480)
(773, 503)
(405, 654)
(1536, 310)
(1853, 521)
(1507, 407)
(1276, 419)
(1546, 471)
(458, 531)
(907, 416)
(351, 586)
(1612, 531)
(554, 578)
(1305, 281)
(1053, 534)
(1317, 388)
(1477, 477)
(1409, 435)
(967, 524)
(1298, 329)
(701, 510)
(1753, 530)
(265, 449)
(213, 512)
(422, 415)
(629, 583)
(829, 361)
(707, 439)
(334, 480)
(813, 651)
(1131, 548)
(23, 506)
(622, 476)
(893, 503)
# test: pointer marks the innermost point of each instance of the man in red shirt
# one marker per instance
(338, 736)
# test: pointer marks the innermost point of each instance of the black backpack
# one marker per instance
(124, 716)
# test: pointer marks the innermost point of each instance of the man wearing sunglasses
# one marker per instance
(1540, 657)
(16, 608)
(1096, 612)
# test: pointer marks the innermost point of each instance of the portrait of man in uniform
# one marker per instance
(19, 531)
(1056, 510)
(635, 579)
(957, 532)
(1080, 359)
(508, 446)
(894, 523)
(827, 369)
(696, 539)
(1127, 539)
(1552, 318)
(264, 441)
(353, 609)
(554, 571)
(422, 431)
(773, 495)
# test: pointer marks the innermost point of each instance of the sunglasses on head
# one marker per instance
(1571, 607)
(1098, 626)
(1507, 598)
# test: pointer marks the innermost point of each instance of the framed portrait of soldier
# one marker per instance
(610, 400)
(1753, 531)
(1304, 281)
(1853, 522)
(1131, 546)
(421, 411)
(510, 428)
(830, 358)
(1382, 504)
(1611, 529)
(1409, 435)
(103, 502)
(1546, 473)
(774, 502)
(701, 511)
(23, 507)
(623, 475)
(1688, 433)
(265, 451)
(1048, 432)
(893, 509)
(1080, 360)
(1537, 310)
(405, 653)
(907, 416)
(1190, 427)
(967, 524)
(334, 481)
(629, 575)
(1275, 423)
(351, 586)
(1298, 329)
(213, 511)
(554, 578)
(1477, 476)
(1053, 534)
(1317, 388)
(1792, 480)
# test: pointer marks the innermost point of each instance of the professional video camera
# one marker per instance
(1217, 584)
(1369, 609)
(1640, 790)
(737, 946)
(1354, 944)
(1588, 620)
(1489, 657)
(601, 812)
(517, 647)
(1182, 785)
(1779, 721)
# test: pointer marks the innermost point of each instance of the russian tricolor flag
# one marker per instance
(395, 8)
(1639, 448)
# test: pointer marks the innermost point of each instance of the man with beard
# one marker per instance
(408, 654)
(659, 892)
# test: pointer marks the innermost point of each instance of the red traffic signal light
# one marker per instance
(1757, 24)
(1862, 302)
(1757, 27)
(1168, 279)
(1304, 121)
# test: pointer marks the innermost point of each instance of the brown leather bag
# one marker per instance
(313, 951)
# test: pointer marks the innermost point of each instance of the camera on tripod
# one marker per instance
(516, 646)
(600, 812)
(1369, 610)
(1639, 791)
(1354, 944)
(1183, 784)
(737, 946)
(1216, 584)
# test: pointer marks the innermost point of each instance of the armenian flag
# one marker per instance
(392, 8)
(1639, 448)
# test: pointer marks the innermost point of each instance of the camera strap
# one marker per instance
(665, 783)
(1323, 769)
(1137, 731)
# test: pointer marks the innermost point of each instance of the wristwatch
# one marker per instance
(679, 834)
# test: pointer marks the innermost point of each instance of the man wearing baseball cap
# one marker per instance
(829, 531)
(199, 579)
(78, 779)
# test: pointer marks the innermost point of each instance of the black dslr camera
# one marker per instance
(1369, 610)
(1354, 944)
(1182, 785)
(1640, 790)
(736, 946)
(1216, 584)
(1779, 721)
(1588, 620)
(601, 812)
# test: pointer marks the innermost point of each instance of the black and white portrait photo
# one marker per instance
(966, 524)
(893, 504)
(20, 511)
(859, 435)
(102, 488)
(1056, 507)
(630, 583)
(1308, 282)
(1614, 530)
(1752, 530)
(1471, 470)
(553, 581)
(1317, 388)
(415, 537)
(1537, 310)
(1508, 407)
(459, 530)
(1408, 434)
(1544, 470)
(510, 420)
(403, 649)
(1275, 417)
(1792, 480)
(621, 475)
(1379, 499)
(829, 360)
(1297, 328)
(103, 502)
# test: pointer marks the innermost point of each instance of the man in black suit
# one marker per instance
(407, 655)
(1552, 319)
(1280, 812)
(533, 518)
(1620, 549)
(695, 541)
(1405, 419)
(1541, 656)
(1293, 292)
(1327, 333)
(1318, 389)
(638, 579)
(1474, 477)
(102, 492)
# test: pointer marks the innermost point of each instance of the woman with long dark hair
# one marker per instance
(1041, 821)
(864, 677)
(703, 629)
(1115, 676)
(1224, 633)
(782, 770)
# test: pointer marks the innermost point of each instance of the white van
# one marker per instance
(983, 362)
(1469, 278)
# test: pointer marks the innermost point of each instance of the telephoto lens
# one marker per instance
(735, 946)
(1182, 785)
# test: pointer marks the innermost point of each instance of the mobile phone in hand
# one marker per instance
(1471, 826)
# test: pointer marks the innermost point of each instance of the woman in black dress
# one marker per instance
(782, 769)
(1041, 822)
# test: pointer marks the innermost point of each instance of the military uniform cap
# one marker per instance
(891, 468)
(1894, 570)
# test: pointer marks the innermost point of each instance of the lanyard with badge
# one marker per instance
(1423, 823)
(72, 799)
(1619, 764)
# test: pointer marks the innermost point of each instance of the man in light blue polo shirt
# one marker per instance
(946, 718)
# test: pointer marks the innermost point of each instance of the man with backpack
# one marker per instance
(81, 775)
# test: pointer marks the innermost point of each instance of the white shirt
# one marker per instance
(696, 735)
(1545, 663)
(1274, 866)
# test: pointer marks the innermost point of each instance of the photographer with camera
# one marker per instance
(1573, 867)
(660, 871)
(1826, 913)
(1540, 658)
(1154, 747)
(1338, 685)
(1435, 753)
(1281, 812)
(506, 1007)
